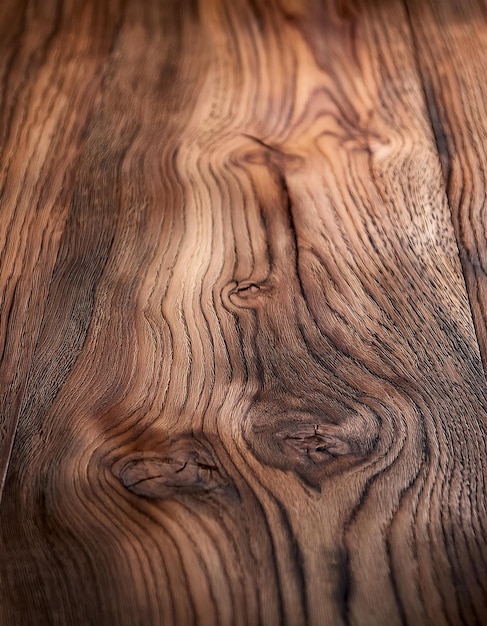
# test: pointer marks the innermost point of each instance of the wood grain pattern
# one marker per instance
(452, 61)
(43, 82)
(256, 395)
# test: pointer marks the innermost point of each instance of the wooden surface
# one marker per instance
(451, 52)
(241, 383)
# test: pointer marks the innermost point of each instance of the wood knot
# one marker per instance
(247, 293)
(186, 467)
(312, 445)
(271, 155)
(247, 289)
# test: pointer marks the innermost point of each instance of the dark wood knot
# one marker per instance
(309, 444)
(184, 468)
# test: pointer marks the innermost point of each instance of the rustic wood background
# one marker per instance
(243, 298)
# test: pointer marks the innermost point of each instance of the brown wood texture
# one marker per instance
(453, 59)
(42, 83)
(251, 390)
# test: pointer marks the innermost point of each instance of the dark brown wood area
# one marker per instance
(242, 250)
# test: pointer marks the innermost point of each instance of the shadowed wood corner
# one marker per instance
(242, 313)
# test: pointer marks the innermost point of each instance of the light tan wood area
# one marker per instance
(241, 383)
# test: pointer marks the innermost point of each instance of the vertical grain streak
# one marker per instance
(438, 130)
(344, 586)
(297, 560)
(8, 321)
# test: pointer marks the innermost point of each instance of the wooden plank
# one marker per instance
(452, 61)
(51, 57)
(257, 396)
